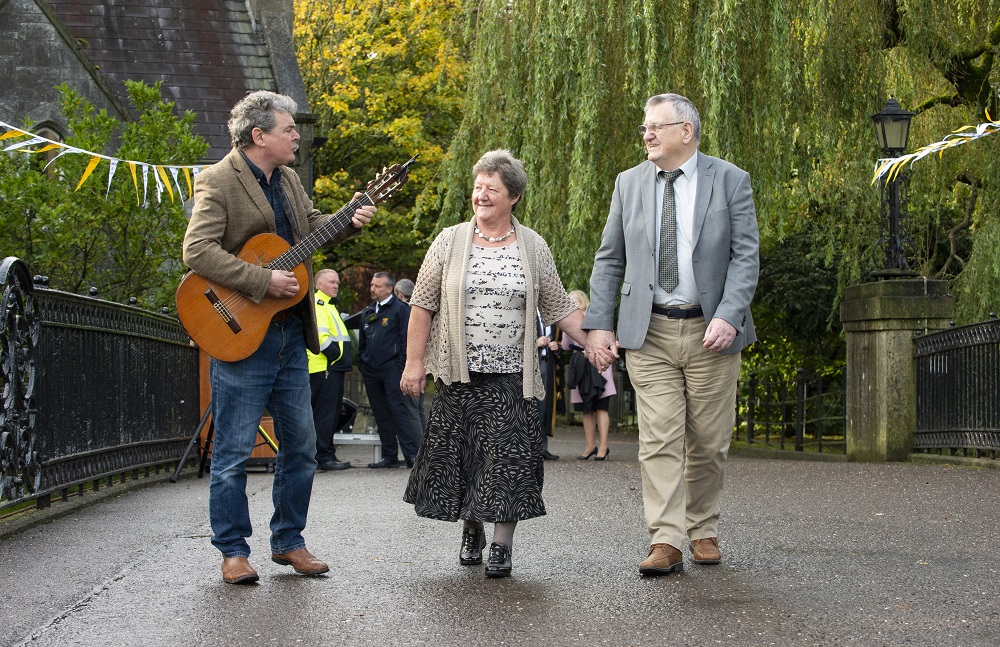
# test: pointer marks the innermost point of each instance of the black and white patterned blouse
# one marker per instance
(494, 310)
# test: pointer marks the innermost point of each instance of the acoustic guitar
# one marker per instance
(226, 323)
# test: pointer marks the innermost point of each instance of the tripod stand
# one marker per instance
(204, 451)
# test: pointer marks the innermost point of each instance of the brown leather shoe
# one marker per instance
(705, 551)
(237, 570)
(302, 561)
(662, 559)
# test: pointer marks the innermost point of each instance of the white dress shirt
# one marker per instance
(685, 189)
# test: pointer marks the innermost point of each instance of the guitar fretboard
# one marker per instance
(305, 247)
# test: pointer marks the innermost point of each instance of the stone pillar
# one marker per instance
(880, 320)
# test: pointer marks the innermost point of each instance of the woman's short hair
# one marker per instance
(509, 168)
(256, 110)
(684, 110)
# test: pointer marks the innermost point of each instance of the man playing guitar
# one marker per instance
(253, 191)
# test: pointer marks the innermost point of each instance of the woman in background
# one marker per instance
(597, 419)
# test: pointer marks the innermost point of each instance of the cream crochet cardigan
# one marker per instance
(440, 288)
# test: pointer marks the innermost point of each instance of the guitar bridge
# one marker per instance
(220, 308)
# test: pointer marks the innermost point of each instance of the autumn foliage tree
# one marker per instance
(385, 81)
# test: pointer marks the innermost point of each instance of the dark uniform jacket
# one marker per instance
(382, 337)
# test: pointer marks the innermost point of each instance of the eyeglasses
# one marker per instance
(655, 128)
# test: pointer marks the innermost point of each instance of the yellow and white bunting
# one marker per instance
(162, 181)
(892, 166)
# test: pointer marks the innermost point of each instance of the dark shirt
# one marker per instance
(275, 197)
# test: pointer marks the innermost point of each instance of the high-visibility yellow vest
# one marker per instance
(331, 330)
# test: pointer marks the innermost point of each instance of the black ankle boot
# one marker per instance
(499, 563)
(473, 542)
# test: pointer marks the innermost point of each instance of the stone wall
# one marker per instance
(36, 56)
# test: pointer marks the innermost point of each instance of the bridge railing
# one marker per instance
(91, 390)
(958, 390)
(805, 412)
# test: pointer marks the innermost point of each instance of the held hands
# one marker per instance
(602, 348)
(283, 284)
(719, 335)
(363, 215)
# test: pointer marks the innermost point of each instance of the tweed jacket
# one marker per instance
(229, 209)
(440, 288)
(725, 258)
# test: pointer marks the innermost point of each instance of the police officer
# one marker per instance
(382, 344)
(327, 369)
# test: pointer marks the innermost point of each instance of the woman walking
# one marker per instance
(472, 324)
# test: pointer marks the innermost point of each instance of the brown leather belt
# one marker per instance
(283, 314)
(678, 313)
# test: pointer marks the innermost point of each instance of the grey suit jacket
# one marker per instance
(229, 209)
(725, 258)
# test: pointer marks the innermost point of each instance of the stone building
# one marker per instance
(207, 53)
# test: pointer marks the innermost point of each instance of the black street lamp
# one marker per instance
(892, 127)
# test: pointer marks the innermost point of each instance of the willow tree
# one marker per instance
(785, 89)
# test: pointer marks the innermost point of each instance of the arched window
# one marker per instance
(49, 130)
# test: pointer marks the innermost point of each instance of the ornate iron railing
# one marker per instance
(958, 389)
(91, 390)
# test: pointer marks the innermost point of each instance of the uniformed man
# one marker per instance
(327, 369)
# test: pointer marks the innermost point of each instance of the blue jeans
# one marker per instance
(276, 376)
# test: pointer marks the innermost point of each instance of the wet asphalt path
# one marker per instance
(814, 554)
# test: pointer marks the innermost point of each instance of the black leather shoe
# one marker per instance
(498, 564)
(473, 542)
(583, 457)
(410, 462)
(333, 465)
(385, 462)
(549, 456)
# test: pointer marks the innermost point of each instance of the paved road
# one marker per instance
(815, 554)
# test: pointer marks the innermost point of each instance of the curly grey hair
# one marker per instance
(256, 110)
(684, 110)
(510, 169)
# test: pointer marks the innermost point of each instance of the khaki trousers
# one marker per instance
(686, 400)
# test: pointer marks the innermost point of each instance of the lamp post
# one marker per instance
(892, 127)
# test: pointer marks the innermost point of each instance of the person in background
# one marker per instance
(414, 405)
(595, 414)
(472, 326)
(327, 370)
(547, 347)
(382, 346)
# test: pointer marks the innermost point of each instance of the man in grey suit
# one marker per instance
(681, 247)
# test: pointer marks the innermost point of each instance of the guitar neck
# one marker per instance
(303, 249)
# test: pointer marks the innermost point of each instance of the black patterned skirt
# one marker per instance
(481, 456)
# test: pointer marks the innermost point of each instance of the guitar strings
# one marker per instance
(236, 302)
